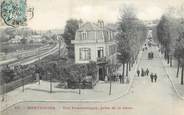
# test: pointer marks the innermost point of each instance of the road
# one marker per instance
(144, 98)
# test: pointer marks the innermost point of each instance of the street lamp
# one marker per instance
(76, 74)
(60, 38)
(110, 87)
(22, 77)
(170, 56)
(49, 74)
(3, 88)
(182, 66)
(111, 69)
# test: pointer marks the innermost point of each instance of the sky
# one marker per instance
(53, 14)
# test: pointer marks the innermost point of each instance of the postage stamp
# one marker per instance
(13, 12)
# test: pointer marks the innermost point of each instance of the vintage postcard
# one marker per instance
(91, 57)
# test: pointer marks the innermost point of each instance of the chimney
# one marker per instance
(101, 23)
(80, 23)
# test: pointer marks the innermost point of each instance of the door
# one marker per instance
(101, 74)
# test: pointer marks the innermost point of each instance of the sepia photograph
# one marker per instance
(86, 57)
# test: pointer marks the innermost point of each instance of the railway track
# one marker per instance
(33, 58)
(28, 59)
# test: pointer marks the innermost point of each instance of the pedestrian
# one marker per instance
(120, 78)
(155, 77)
(106, 79)
(138, 72)
(142, 72)
(37, 77)
(113, 77)
(151, 77)
(116, 79)
(147, 72)
(152, 55)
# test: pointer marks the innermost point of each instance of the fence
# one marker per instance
(15, 84)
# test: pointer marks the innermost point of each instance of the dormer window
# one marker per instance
(83, 35)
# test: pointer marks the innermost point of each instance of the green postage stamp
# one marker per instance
(13, 12)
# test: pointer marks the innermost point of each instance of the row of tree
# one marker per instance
(130, 37)
(170, 34)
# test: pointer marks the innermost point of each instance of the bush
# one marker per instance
(7, 74)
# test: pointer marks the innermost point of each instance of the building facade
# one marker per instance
(95, 42)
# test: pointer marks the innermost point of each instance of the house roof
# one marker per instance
(88, 26)
(104, 34)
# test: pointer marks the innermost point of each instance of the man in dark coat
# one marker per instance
(142, 72)
(120, 78)
(138, 72)
(151, 77)
(155, 77)
(147, 72)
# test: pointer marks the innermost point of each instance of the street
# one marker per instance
(144, 98)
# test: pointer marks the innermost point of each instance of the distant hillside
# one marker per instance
(7, 33)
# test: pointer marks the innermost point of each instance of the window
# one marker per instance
(100, 52)
(83, 35)
(111, 35)
(85, 54)
(112, 49)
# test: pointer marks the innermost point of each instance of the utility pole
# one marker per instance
(22, 84)
(59, 46)
(3, 88)
(111, 68)
(110, 88)
(22, 76)
(79, 86)
(182, 75)
(50, 82)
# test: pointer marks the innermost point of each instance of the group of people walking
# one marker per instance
(146, 72)
(117, 77)
(153, 77)
(143, 72)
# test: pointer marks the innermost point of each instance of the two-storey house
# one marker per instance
(95, 42)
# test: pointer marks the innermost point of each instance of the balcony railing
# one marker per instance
(101, 60)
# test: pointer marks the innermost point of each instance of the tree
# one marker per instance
(178, 52)
(163, 34)
(131, 34)
(79, 72)
(182, 69)
(23, 41)
(111, 69)
(123, 50)
(92, 69)
(7, 74)
(170, 34)
(69, 34)
(51, 72)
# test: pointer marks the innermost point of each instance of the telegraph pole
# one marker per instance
(60, 38)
